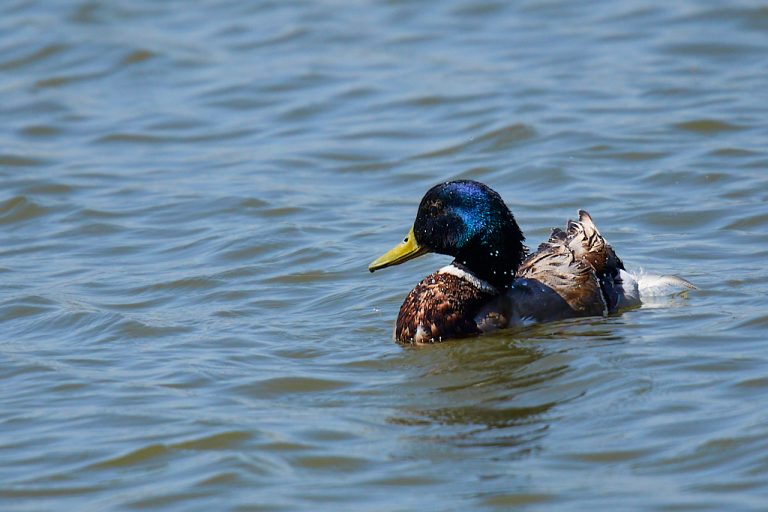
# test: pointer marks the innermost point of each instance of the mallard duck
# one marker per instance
(493, 282)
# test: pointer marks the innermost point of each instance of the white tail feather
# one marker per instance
(641, 287)
(654, 285)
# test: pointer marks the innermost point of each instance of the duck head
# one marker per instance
(469, 221)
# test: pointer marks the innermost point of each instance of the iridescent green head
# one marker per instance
(469, 221)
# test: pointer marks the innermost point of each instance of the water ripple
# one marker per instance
(20, 209)
(191, 197)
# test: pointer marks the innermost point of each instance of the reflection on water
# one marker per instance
(499, 391)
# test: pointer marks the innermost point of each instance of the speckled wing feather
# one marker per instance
(574, 280)
(587, 243)
(441, 306)
(579, 265)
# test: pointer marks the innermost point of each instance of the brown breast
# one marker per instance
(442, 306)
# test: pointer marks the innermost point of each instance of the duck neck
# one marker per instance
(495, 263)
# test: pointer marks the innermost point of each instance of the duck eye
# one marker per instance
(405, 240)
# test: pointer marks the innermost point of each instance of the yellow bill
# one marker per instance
(404, 251)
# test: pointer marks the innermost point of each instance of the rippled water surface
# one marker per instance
(191, 193)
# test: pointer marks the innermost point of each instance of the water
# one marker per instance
(191, 194)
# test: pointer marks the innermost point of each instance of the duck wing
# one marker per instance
(580, 267)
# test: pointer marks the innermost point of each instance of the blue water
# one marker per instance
(191, 194)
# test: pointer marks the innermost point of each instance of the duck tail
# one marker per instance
(643, 288)
(654, 285)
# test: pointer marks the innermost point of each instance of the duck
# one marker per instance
(494, 281)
